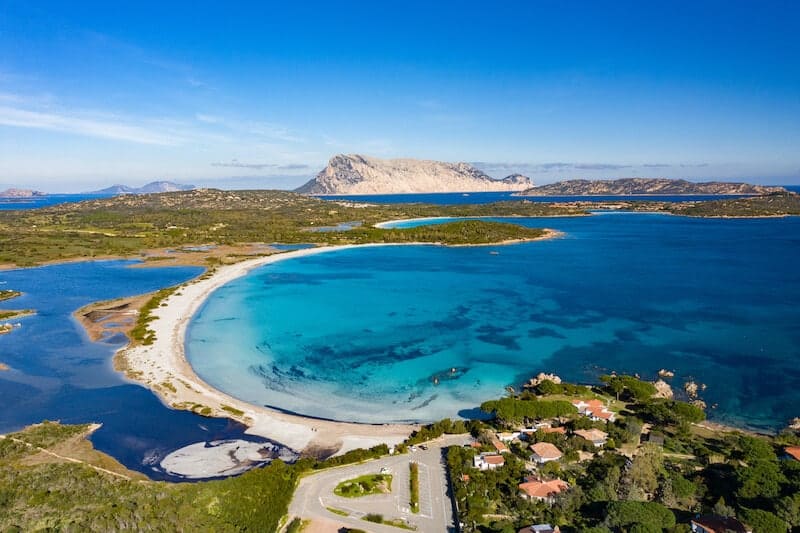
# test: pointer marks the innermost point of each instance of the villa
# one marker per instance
(595, 436)
(543, 491)
(544, 452)
(595, 409)
(486, 461)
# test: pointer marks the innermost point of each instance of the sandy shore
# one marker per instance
(162, 366)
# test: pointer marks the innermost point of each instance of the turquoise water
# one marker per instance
(422, 332)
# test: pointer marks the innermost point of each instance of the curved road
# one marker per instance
(314, 495)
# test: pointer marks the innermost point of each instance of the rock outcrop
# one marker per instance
(646, 186)
(358, 174)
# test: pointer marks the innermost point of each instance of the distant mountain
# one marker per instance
(649, 186)
(358, 174)
(153, 187)
(20, 193)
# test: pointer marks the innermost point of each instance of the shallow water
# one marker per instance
(421, 332)
(58, 374)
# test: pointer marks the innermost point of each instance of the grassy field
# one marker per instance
(125, 226)
(364, 486)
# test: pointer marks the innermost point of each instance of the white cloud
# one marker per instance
(106, 128)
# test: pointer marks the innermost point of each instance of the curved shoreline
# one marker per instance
(163, 368)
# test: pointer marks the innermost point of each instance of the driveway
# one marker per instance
(314, 496)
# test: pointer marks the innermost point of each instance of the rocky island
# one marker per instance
(20, 193)
(359, 174)
(646, 186)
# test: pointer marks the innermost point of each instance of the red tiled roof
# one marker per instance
(546, 450)
(543, 489)
(793, 452)
(560, 429)
(494, 459)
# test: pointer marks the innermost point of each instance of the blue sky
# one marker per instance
(262, 94)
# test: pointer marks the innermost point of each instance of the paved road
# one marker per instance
(314, 495)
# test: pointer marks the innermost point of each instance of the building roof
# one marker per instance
(499, 446)
(719, 524)
(545, 450)
(494, 460)
(539, 528)
(793, 452)
(592, 435)
(543, 489)
(559, 429)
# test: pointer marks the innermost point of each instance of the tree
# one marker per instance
(761, 520)
(646, 514)
(646, 468)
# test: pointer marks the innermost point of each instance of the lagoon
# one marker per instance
(417, 333)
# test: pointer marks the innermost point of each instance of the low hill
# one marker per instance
(152, 187)
(646, 186)
(358, 174)
(20, 193)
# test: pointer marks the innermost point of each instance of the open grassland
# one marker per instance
(125, 226)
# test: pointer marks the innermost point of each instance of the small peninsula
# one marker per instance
(359, 174)
(647, 186)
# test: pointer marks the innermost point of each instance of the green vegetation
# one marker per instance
(295, 526)
(413, 477)
(779, 204)
(636, 483)
(126, 225)
(7, 294)
(376, 518)
(515, 410)
(364, 486)
(37, 495)
(74, 497)
(232, 410)
(141, 333)
(337, 511)
(9, 315)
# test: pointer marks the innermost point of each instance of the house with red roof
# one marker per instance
(595, 410)
(544, 452)
(488, 461)
(544, 491)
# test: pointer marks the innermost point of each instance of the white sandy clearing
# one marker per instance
(221, 458)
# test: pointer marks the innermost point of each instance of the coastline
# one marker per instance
(163, 367)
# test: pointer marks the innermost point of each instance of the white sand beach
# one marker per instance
(162, 366)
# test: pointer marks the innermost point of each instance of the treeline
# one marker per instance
(516, 410)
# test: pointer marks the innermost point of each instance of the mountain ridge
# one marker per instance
(359, 174)
(646, 186)
(152, 187)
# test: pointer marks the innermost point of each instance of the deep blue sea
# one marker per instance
(422, 332)
(58, 374)
(35, 202)
(488, 197)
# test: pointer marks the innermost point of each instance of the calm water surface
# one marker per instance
(422, 332)
(58, 374)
